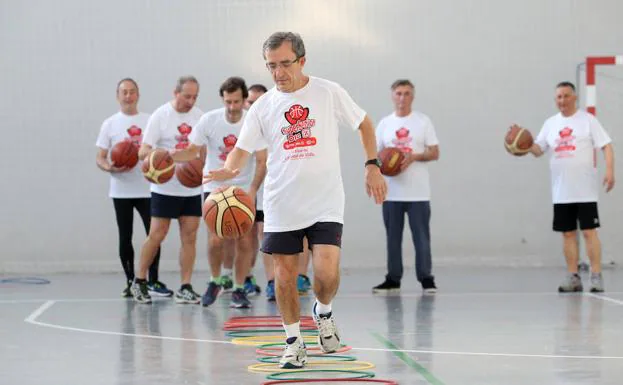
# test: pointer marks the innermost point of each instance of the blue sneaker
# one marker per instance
(239, 299)
(251, 287)
(158, 289)
(270, 290)
(303, 284)
(211, 294)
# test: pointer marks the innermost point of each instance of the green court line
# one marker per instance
(404, 357)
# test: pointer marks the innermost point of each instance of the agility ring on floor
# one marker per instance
(347, 365)
(260, 332)
(363, 380)
(264, 318)
(318, 373)
(263, 340)
(25, 280)
(276, 349)
(312, 358)
(274, 326)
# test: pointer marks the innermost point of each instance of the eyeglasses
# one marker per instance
(272, 67)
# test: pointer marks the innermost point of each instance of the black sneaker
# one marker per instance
(428, 285)
(388, 286)
(239, 299)
(186, 294)
(139, 291)
(211, 294)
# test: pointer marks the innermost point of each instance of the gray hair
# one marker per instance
(278, 38)
(183, 80)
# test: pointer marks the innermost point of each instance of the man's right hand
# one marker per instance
(220, 175)
(114, 169)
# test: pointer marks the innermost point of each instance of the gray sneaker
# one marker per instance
(571, 284)
(597, 283)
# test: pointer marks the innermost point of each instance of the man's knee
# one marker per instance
(589, 234)
(158, 229)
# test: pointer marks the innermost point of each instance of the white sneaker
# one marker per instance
(294, 355)
(328, 338)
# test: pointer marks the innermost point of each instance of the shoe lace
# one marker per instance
(291, 350)
(326, 326)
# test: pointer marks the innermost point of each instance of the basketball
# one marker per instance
(124, 154)
(391, 158)
(158, 166)
(518, 141)
(229, 212)
(190, 174)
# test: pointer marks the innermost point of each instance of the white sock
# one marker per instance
(227, 272)
(293, 330)
(322, 308)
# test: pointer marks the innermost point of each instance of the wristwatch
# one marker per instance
(374, 161)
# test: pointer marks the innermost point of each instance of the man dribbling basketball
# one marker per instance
(219, 130)
(303, 285)
(303, 190)
(168, 128)
(128, 190)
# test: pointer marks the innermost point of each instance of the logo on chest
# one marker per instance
(136, 135)
(228, 144)
(182, 139)
(402, 140)
(299, 131)
(565, 142)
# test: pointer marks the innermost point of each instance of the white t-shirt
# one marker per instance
(169, 129)
(119, 127)
(220, 137)
(411, 134)
(573, 141)
(304, 182)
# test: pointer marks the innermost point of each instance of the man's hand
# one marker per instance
(375, 184)
(114, 169)
(609, 180)
(220, 175)
(408, 159)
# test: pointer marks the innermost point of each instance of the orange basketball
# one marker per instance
(391, 158)
(518, 141)
(229, 212)
(158, 166)
(124, 154)
(190, 174)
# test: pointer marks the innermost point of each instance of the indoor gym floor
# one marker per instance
(486, 326)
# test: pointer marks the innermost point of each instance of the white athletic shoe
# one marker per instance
(294, 355)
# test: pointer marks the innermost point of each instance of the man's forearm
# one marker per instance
(236, 159)
(609, 157)
(368, 138)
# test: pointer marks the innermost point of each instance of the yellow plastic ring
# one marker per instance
(347, 365)
(262, 340)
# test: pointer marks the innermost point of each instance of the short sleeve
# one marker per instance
(348, 113)
(103, 139)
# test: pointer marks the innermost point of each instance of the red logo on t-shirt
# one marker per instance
(565, 143)
(298, 133)
(182, 139)
(229, 142)
(403, 140)
(135, 134)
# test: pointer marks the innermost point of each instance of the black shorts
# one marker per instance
(567, 216)
(259, 214)
(291, 242)
(169, 206)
